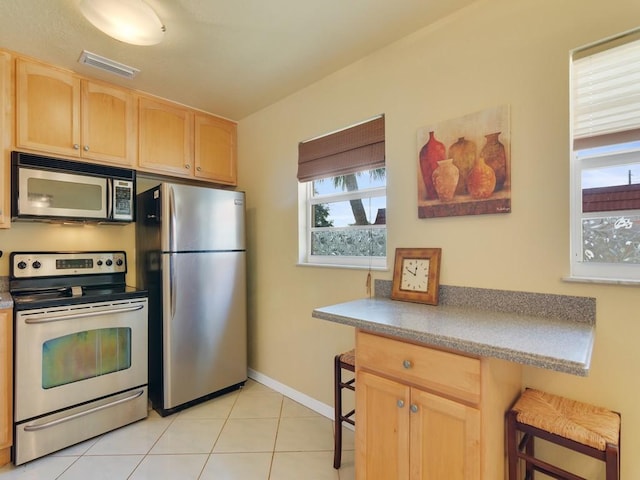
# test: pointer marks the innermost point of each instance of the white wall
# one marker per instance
(495, 52)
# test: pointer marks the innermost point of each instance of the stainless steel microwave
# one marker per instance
(52, 189)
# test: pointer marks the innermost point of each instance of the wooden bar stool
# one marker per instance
(581, 427)
(343, 361)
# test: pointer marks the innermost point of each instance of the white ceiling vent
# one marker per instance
(103, 63)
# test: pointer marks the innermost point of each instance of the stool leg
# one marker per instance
(612, 460)
(512, 446)
(337, 447)
(530, 451)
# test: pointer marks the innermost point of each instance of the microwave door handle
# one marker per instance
(110, 198)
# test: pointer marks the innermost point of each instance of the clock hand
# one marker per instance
(412, 273)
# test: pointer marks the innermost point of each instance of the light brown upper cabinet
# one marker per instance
(165, 142)
(175, 140)
(109, 127)
(215, 149)
(6, 136)
(60, 113)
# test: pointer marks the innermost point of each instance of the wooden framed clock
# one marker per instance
(416, 275)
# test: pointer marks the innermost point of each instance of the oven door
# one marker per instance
(65, 356)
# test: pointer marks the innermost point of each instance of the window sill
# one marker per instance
(348, 267)
(607, 281)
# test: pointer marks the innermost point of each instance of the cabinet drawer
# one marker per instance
(436, 370)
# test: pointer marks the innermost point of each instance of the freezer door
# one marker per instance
(204, 324)
(200, 218)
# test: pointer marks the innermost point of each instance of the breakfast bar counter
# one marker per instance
(554, 332)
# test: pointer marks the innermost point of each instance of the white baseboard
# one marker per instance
(301, 398)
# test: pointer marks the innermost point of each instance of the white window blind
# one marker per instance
(606, 96)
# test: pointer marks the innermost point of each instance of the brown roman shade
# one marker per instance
(356, 148)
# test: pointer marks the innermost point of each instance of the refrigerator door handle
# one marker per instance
(172, 283)
(172, 221)
(173, 249)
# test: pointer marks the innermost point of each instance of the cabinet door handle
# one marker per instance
(400, 403)
(76, 146)
(187, 166)
(414, 408)
(407, 364)
(86, 148)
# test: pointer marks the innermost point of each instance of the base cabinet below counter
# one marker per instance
(6, 384)
(429, 414)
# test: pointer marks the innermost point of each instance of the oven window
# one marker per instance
(83, 355)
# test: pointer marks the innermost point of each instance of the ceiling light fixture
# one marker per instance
(130, 21)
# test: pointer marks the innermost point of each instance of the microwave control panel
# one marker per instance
(123, 200)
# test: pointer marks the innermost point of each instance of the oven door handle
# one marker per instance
(72, 316)
(53, 423)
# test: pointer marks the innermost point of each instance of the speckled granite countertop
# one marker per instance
(555, 332)
(5, 296)
(5, 300)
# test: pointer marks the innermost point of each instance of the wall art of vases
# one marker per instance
(430, 154)
(445, 179)
(494, 155)
(463, 152)
(481, 180)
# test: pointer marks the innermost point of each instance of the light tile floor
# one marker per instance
(251, 434)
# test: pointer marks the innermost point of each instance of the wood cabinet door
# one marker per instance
(6, 384)
(215, 149)
(445, 438)
(47, 109)
(108, 124)
(6, 137)
(165, 138)
(382, 431)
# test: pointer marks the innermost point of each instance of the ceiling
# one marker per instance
(228, 57)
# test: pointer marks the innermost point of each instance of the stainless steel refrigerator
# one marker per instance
(191, 257)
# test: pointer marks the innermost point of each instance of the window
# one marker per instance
(342, 179)
(605, 167)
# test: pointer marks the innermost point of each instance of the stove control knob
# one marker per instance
(99, 262)
(22, 265)
(37, 264)
(119, 262)
(109, 262)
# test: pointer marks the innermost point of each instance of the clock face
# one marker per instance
(415, 275)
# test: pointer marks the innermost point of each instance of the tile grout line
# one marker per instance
(275, 440)
(226, 420)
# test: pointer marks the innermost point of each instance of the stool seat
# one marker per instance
(577, 421)
(349, 358)
(578, 426)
